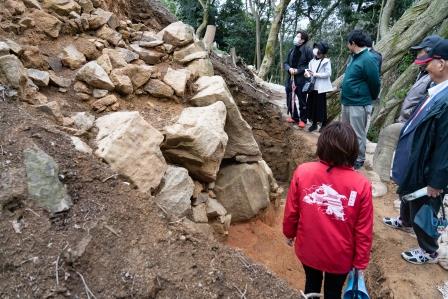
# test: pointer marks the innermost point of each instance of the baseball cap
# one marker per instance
(428, 42)
(439, 51)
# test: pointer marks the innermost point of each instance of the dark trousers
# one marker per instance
(293, 110)
(317, 108)
(408, 210)
(333, 283)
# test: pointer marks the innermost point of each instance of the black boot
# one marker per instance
(313, 127)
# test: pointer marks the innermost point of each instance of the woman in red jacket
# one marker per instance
(329, 213)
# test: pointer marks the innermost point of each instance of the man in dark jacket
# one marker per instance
(296, 63)
(420, 88)
(421, 158)
(361, 85)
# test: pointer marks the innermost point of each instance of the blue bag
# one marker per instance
(427, 220)
(356, 286)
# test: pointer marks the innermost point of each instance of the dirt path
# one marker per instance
(388, 275)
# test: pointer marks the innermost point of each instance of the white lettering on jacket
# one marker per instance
(329, 199)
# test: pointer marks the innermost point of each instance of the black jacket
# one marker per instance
(421, 157)
(306, 54)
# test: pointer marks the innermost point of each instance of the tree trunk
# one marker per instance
(385, 17)
(205, 7)
(256, 16)
(417, 22)
(209, 36)
(272, 39)
(282, 38)
(317, 24)
(379, 23)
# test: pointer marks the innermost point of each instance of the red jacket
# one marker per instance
(330, 213)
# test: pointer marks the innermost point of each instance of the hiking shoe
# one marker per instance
(312, 128)
(419, 256)
(301, 124)
(395, 222)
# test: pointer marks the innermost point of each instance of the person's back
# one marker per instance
(332, 204)
(329, 212)
(416, 94)
(361, 84)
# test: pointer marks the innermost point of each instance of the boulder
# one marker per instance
(59, 81)
(87, 47)
(81, 87)
(123, 84)
(177, 79)
(128, 55)
(4, 49)
(43, 181)
(158, 89)
(12, 73)
(387, 142)
(83, 121)
(14, 7)
(132, 148)
(378, 187)
(34, 59)
(139, 74)
(13, 46)
(99, 93)
(105, 63)
(52, 109)
(241, 139)
(13, 189)
(72, 58)
(95, 76)
(32, 4)
(62, 7)
(86, 6)
(443, 250)
(177, 34)
(116, 59)
(197, 140)
(191, 52)
(243, 190)
(46, 23)
(40, 78)
(175, 195)
(110, 35)
(151, 44)
(103, 103)
(200, 213)
(201, 67)
(80, 145)
(99, 18)
(215, 209)
(147, 55)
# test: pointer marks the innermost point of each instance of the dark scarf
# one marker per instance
(296, 53)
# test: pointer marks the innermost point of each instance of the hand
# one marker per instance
(292, 71)
(290, 241)
(432, 192)
(311, 73)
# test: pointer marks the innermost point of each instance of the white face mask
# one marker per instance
(315, 51)
(297, 40)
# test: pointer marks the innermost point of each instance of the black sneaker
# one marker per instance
(312, 128)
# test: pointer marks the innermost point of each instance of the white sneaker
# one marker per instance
(419, 256)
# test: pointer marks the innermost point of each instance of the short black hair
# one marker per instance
(358, 37)
(304, 35)
(369, 42)
(338, 145)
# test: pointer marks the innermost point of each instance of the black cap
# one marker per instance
(428, 42)
(439, 51)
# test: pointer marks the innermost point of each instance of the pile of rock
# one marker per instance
(215, 173)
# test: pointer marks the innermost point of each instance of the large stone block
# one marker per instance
(177, 34)
(241, 140)
(71, 57)
(197, 140)
(94, 75)
(177, 79)
(131, 146)
(62, 7)
(387, 142)
(46, 23)
(12, 73)
(189, 53)
(201, 67)
(175, 195)
(243, 190)
(43, 182)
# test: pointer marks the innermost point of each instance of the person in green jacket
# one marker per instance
(361, 85)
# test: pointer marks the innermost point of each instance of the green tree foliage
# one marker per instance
(235, 28)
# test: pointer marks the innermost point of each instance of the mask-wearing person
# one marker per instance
(315, 52)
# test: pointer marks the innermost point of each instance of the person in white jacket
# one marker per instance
(319, 69)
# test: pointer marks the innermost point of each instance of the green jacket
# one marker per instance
(361, 82)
